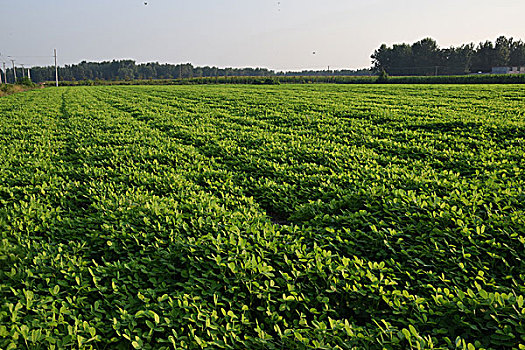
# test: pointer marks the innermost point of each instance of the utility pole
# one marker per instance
(14, 70)
(56, 68)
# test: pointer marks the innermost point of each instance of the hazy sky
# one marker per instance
(280, 35)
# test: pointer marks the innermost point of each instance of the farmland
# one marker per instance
(268, 217)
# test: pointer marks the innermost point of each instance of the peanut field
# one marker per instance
(263, 217)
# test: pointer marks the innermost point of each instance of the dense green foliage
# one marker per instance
(8, 89)
(25, 81)
(275, 217)
(424, 57)
(125, 70)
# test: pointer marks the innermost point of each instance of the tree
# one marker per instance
(401, 60)
(125, 73)
(517, 54)
(502, 51)
(146, 71)
(426, 56)
(381, 59)
(483, 59)
(457, 60)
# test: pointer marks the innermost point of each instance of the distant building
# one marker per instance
(508, 70)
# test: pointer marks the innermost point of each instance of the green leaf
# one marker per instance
(198, 340)
(458, 342)
(413, 331)
(3, 331)
(155, 316)
(277, 329)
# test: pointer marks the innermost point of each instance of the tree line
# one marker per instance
(127, 70)
(422, 58)
(130, 70)
(425, 57)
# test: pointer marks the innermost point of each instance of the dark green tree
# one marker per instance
(517, 54)
(426, 57)
(502, 50)
(483, 59)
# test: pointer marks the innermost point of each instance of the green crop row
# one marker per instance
(276, 80)
(268, 217)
